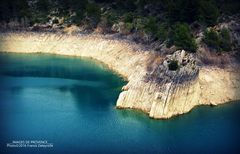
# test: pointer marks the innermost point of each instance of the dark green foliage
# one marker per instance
(141, 3)
(183, 38)
(65, 5)
(13, 9)
(192, 10)
(38, 18)
(139, 23)
(151, 25)
(225, 40)
(93, 10)
(23, 9)
(78, 17)
(162, 32)
(111, 17)
(77, 5)
(175, 10)
(127, 5)
(40, 11)
(229, 6)
(128, 17)
(154, 17)
(219, 41)
(43, 6)
(129, 27)
(173, 65)
(182, 10)
(211, 38)
(157, 30)
(208, 12)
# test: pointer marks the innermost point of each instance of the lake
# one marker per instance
(69, 102)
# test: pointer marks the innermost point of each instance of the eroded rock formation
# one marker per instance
(151, 87)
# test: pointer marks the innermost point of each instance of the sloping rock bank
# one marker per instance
(152, 88)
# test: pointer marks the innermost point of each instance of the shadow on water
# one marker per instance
(91, 84)
(85, 100)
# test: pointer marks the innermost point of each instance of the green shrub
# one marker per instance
(162, 32)
(183, 38)
(225, 40)
(181, 10)
(173, 65)
(128, 17)
(211, 38)
(93, 11)
(192, 10)
(139, 23)
(78, 17)
(151, 25)
(129, 26)
(38, 18)
(111, 17)
(219, 41)
(126, 28)
(43, 6)
(77, 5)
(126, 5)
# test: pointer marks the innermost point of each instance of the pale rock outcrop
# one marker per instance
(151, 86)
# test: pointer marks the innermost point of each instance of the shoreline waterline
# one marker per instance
(128, 62)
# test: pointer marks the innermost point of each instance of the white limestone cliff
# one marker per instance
(151, 87)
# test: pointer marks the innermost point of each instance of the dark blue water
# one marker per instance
(70, 102)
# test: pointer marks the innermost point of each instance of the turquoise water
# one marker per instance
(70, 102)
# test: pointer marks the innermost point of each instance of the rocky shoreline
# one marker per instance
(151, 87)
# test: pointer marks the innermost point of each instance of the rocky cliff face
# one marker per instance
(151, 87)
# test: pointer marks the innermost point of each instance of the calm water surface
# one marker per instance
(70, 102)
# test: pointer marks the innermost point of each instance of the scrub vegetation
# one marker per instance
(172, 22)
